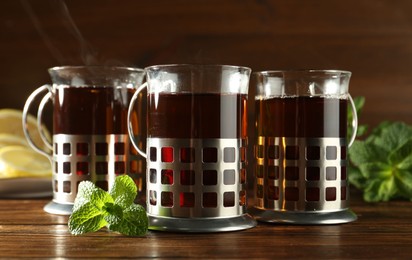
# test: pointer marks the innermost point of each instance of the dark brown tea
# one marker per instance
(91, 110)
(301, 117)
(188, 115)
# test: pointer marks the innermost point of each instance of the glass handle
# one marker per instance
(354, 121)
(129, 122)
(43, 102)
(26, 108)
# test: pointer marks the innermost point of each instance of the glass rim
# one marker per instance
(188, 65)
(307, 72)
(104, 67)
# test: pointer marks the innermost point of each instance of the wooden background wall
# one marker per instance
(371, 38)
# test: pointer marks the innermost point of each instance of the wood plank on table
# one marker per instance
(383, 230)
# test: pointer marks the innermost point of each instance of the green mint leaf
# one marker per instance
(123, 191)
(365, 152)
(377, 131)
(384, 161)
(362, 129)
(133, 223)
(86, 218)
(88, 213)
(392, 136)
(401, 158)
(95, 208)
(114, 213)
(376, 170)
(89, 192)
(380, 190)
(403, 181)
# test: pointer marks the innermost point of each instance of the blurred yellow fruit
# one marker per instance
(20, 161)
(11, 123)
(9, 139)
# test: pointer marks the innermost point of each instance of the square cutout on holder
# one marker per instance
(167, 154)
(242, 178)
(209, 177)
(273, 152)
(243, 152)
(292, 152)
(82, 168)
(259, 191)
(331, 153)
(101, 168)
(67, 187)
(313, 153)
(259, 171)
(67, 149)
(187, 154)
(259, 151)
(312, 194)
(101, 148)
(292, 173)
(229, 177)
(312, 173)
(242, 198)
(273, 192)
(229, 154)
(291, 194)
(152, 197)
(209, 199)
(82, 149)
(152, 175)
(67, 167)
(167, 177)
(166, 199)
(273, 172)
(119, 167)
(187, 199)
(330, 173)
(119, 148)
(330, 194)
(343, 173)
(229, 199)
(153, 154)
(187, 177)
(209, 155)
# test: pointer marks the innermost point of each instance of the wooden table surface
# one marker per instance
(383, 230)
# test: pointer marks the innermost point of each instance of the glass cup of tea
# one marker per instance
(301, 147)
(90, 133)
(196, 147)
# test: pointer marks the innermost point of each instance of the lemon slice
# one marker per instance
(11, 123)
(20, 161)
(9, 139)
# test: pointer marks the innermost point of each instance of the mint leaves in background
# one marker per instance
(95, 208)
(381, 163)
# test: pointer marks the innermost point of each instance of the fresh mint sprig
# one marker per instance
(95, 208)
(382, 163)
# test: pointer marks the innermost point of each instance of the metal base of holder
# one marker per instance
(58, 209)
(304, 218)
(201, 225)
